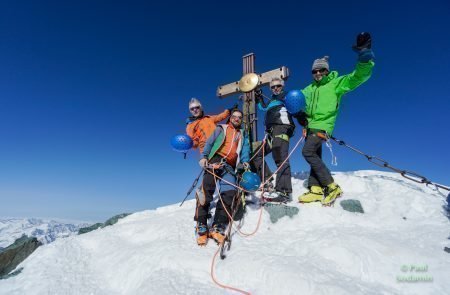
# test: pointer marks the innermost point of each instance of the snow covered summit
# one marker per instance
(321, 250)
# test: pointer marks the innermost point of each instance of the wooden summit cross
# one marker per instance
(250, 115)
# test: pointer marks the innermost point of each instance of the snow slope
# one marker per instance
(319, 251)
(44, 230)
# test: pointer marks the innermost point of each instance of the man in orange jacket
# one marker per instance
(200, 126)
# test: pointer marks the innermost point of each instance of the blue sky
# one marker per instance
(92, 91)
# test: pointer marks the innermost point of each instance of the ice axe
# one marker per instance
(192, 187)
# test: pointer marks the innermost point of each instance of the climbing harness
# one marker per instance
(326, 137)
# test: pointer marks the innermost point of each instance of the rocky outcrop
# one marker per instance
(87, 229)
(13, 255)
(352, 206)
(111, 221)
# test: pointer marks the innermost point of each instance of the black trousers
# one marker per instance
(312, 152)
(224, 203)
(280, 151)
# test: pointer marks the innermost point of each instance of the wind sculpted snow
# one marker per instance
(320, 250)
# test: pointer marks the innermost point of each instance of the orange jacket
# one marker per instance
(230, 145)
(200, 129)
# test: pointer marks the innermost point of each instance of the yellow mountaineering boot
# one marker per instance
(314, 194)
(332, 192)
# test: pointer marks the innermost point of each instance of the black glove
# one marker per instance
(258, 95)
(235, 106)
(301, 118)
(363, 41)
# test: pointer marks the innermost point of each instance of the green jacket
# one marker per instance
(323, 98)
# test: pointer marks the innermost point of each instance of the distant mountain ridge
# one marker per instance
(45, 230)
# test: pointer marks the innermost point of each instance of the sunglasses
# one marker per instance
(319, 71)
(276, 86)
(195, 108)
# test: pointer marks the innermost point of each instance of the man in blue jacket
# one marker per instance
(279, 128)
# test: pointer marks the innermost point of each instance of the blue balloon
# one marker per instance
(294, 101)
(181, 143)
(250, 181)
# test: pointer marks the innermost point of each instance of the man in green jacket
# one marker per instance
(322, 98)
